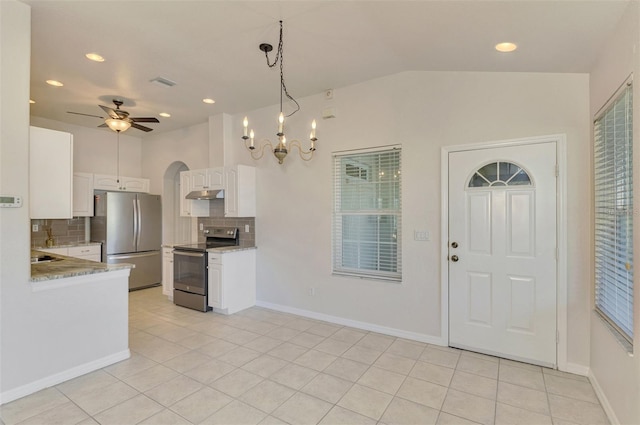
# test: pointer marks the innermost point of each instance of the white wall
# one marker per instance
(614, 372)
(96, 150)
(15, 47)
(189, 145)
(47, 336)
(423, 111)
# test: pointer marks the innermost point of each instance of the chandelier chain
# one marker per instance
(283, 88)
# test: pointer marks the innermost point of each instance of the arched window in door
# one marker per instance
(499, 174)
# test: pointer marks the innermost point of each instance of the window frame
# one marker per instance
(606, 253)
(355, 158)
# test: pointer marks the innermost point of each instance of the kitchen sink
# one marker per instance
(44, 259)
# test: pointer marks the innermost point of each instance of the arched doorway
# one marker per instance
(176, 229)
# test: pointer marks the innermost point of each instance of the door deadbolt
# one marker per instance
(454, 258)
(454, 244)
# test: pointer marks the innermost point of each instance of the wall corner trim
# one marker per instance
(604, 401)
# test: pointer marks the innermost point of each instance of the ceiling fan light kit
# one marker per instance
(119, 120)
(280, 151)
(117, 124)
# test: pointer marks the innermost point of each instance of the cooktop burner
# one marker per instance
(217, 237)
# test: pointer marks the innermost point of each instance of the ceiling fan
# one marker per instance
(119, 119)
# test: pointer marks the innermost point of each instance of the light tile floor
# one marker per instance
(264, 367)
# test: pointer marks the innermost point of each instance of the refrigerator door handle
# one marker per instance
(136, 225)
(139, 220)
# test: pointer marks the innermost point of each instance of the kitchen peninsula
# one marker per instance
(79, 315)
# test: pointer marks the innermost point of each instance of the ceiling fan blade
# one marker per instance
(103, 125)
(86, 115)
(112, 113)
(144, 119)
(141, 127)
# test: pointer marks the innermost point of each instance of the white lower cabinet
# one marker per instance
(85, 252)
(232, 280)
(167, 272)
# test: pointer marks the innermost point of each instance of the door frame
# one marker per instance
(561, 232)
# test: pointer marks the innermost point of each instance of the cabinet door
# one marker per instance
(216, 291)
(240, 191)
(216, 178)
(199, 179)
(185, 188)
(167, 272)
(82, 195)
(50, 173)
(132, 184)
(105, 182)
(231, 193)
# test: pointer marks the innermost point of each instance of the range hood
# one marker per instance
(205, 194)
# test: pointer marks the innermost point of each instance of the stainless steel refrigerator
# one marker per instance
(129, 226)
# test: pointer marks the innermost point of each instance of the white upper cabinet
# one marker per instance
(240, 191)
(238, 183)
(123, 184)
(207, 179)
(82, 194)
(191, 207)
(50, 173)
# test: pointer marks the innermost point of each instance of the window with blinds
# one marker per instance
(613, 185)
(368, 214)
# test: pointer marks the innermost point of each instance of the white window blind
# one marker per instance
(368, 214)
(613, 173)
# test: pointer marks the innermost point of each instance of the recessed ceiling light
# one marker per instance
(94, 57)
(32, 101)
(55, 83)
(207, 100)
(164, 114)
(506, 47)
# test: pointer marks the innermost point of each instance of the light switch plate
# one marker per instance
(421, 235)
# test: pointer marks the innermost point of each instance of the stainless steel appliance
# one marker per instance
(129, 226)
(190, 274)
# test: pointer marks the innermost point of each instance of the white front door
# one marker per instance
(502, 251)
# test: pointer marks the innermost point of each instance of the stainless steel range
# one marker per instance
(190, 274)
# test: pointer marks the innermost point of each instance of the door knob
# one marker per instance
(454, 258)
(454, 244)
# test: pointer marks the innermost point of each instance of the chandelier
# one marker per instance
(280, 150)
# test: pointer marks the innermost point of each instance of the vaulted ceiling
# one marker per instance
(210, 49)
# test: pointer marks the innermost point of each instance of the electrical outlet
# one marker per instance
(246, 228)
(201, 226)
(34, 228)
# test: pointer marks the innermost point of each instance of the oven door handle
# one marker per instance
(189, 254)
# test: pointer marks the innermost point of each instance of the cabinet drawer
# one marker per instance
(82, 251)
(215, 258)
(61, 251)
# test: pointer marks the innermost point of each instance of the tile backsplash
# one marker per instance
(217, 218)
(64, 231)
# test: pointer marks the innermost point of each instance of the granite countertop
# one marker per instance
(224, 249)
(67, 245)
(69, 267)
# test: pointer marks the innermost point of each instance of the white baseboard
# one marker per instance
(50, 381)
(604, 401)
(576, 369)
(415, 336)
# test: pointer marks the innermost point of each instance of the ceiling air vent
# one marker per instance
(163, 82)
